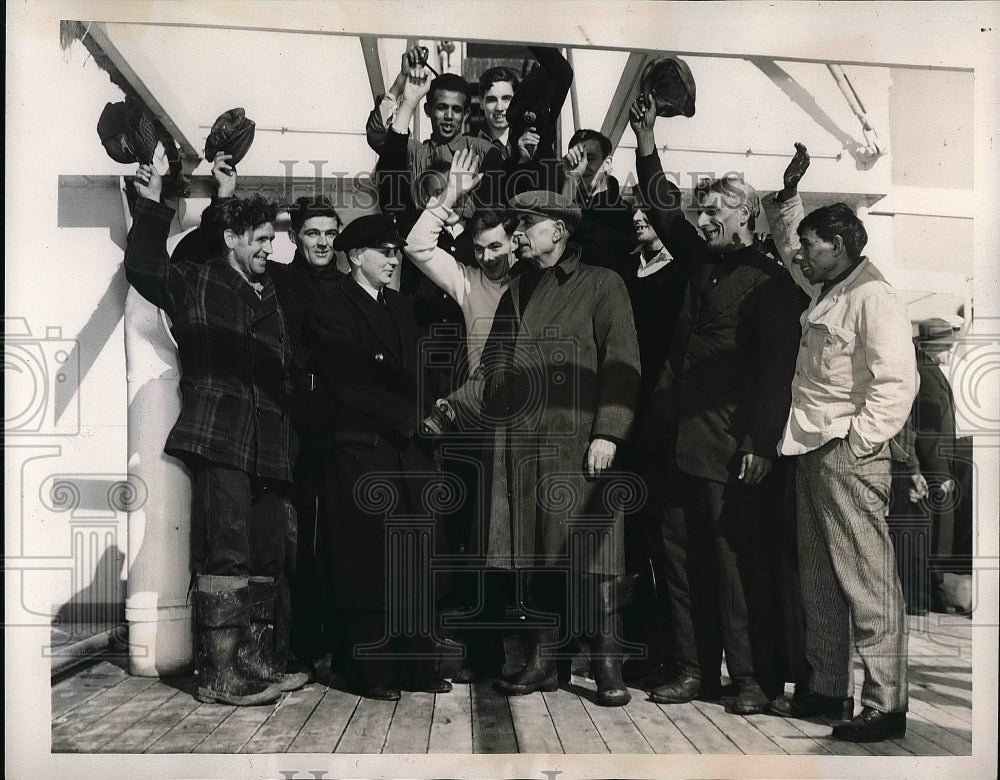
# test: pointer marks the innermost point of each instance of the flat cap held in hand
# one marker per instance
(128, 132)
(231, 134)
(672, 85)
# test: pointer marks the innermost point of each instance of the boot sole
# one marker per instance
(613, 701)
(267, 696)
(517, 690)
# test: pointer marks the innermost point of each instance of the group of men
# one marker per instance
(587, 388)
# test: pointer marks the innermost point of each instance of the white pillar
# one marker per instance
(156, 606)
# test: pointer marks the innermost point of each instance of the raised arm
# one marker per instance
(147, 264)
(784, 213)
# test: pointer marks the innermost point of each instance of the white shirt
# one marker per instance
(856, 373)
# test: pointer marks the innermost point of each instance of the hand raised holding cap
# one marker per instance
(224, 174)
(642, 113)
(148, 183)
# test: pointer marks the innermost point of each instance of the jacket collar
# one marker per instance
(564, 268)
(264, 304)
(384, 328)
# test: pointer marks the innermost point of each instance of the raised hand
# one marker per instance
(642, 117)
(224, 175)
(575, 162)
(794, 172)
(418, 84)
(148, 183)
(464, 175)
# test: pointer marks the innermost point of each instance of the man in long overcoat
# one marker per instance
(561, 376)
(363, 341)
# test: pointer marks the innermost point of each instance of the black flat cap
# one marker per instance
(128, 132)
(376, 231)
(672, 85)
(232, 134)
(551, 205)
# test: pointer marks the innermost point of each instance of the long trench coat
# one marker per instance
(556, 375)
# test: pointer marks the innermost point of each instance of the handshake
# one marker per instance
(440, 421)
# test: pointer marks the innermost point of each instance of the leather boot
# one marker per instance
(266, 652)
(605, 650)
(223, 622)
(540, 673)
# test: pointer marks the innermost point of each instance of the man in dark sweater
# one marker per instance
(300, 286)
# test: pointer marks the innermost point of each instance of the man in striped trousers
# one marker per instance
(855, 380)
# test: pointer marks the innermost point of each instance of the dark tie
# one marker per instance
(381, 297)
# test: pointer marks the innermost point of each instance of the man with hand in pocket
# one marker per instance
(855, 381)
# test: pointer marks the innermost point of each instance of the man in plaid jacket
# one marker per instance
(232, 433)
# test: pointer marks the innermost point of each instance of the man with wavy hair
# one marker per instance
(232, 433)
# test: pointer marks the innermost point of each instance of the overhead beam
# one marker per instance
(628, 87)
(373, 64)
(119, 45)
(920, 35)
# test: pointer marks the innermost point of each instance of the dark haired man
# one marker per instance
(300, 286)
(855, 381)
(232, 432)
(605, 232)
(496, 89)
(447, 105)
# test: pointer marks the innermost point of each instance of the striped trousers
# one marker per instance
(849, 580)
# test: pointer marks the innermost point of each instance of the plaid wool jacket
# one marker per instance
(234, 353)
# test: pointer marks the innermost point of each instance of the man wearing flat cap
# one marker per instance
(363, 341)
(559, 382)
(925, 492)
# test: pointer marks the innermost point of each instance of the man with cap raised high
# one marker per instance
(559, 379)
(232, 433)
(363, 342)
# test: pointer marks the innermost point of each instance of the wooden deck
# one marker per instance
(104, 710)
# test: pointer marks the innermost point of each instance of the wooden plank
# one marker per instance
(410, 730)
(290, 715)
(533, 727)
(492, 725)
(940, 717)
(322, 731)
(116, 722)
(83, 686)
(236, 730)
(576, 730)
(451, 728)
(947, 740)
(146, 731)
(956, 705)
(365, 732)
(98, 707)
(657, 729)
(192, 730)
(616, 728)
(742, 732)
(784, 732)
(820, 731)
(919, 745)
(704, 734)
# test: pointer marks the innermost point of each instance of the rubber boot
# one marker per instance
(266, 652)
(223, 623)
(540, 673)
(605, 650)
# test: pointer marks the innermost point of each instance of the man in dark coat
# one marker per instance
(232, 433)
(300, 286)
(363, 339)
(561, 374)
(720, 401)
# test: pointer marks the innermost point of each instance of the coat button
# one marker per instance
(379, 357)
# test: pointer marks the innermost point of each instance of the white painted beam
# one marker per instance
(905, 34)
(373, 64)
(119, 44)
(627, 90)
